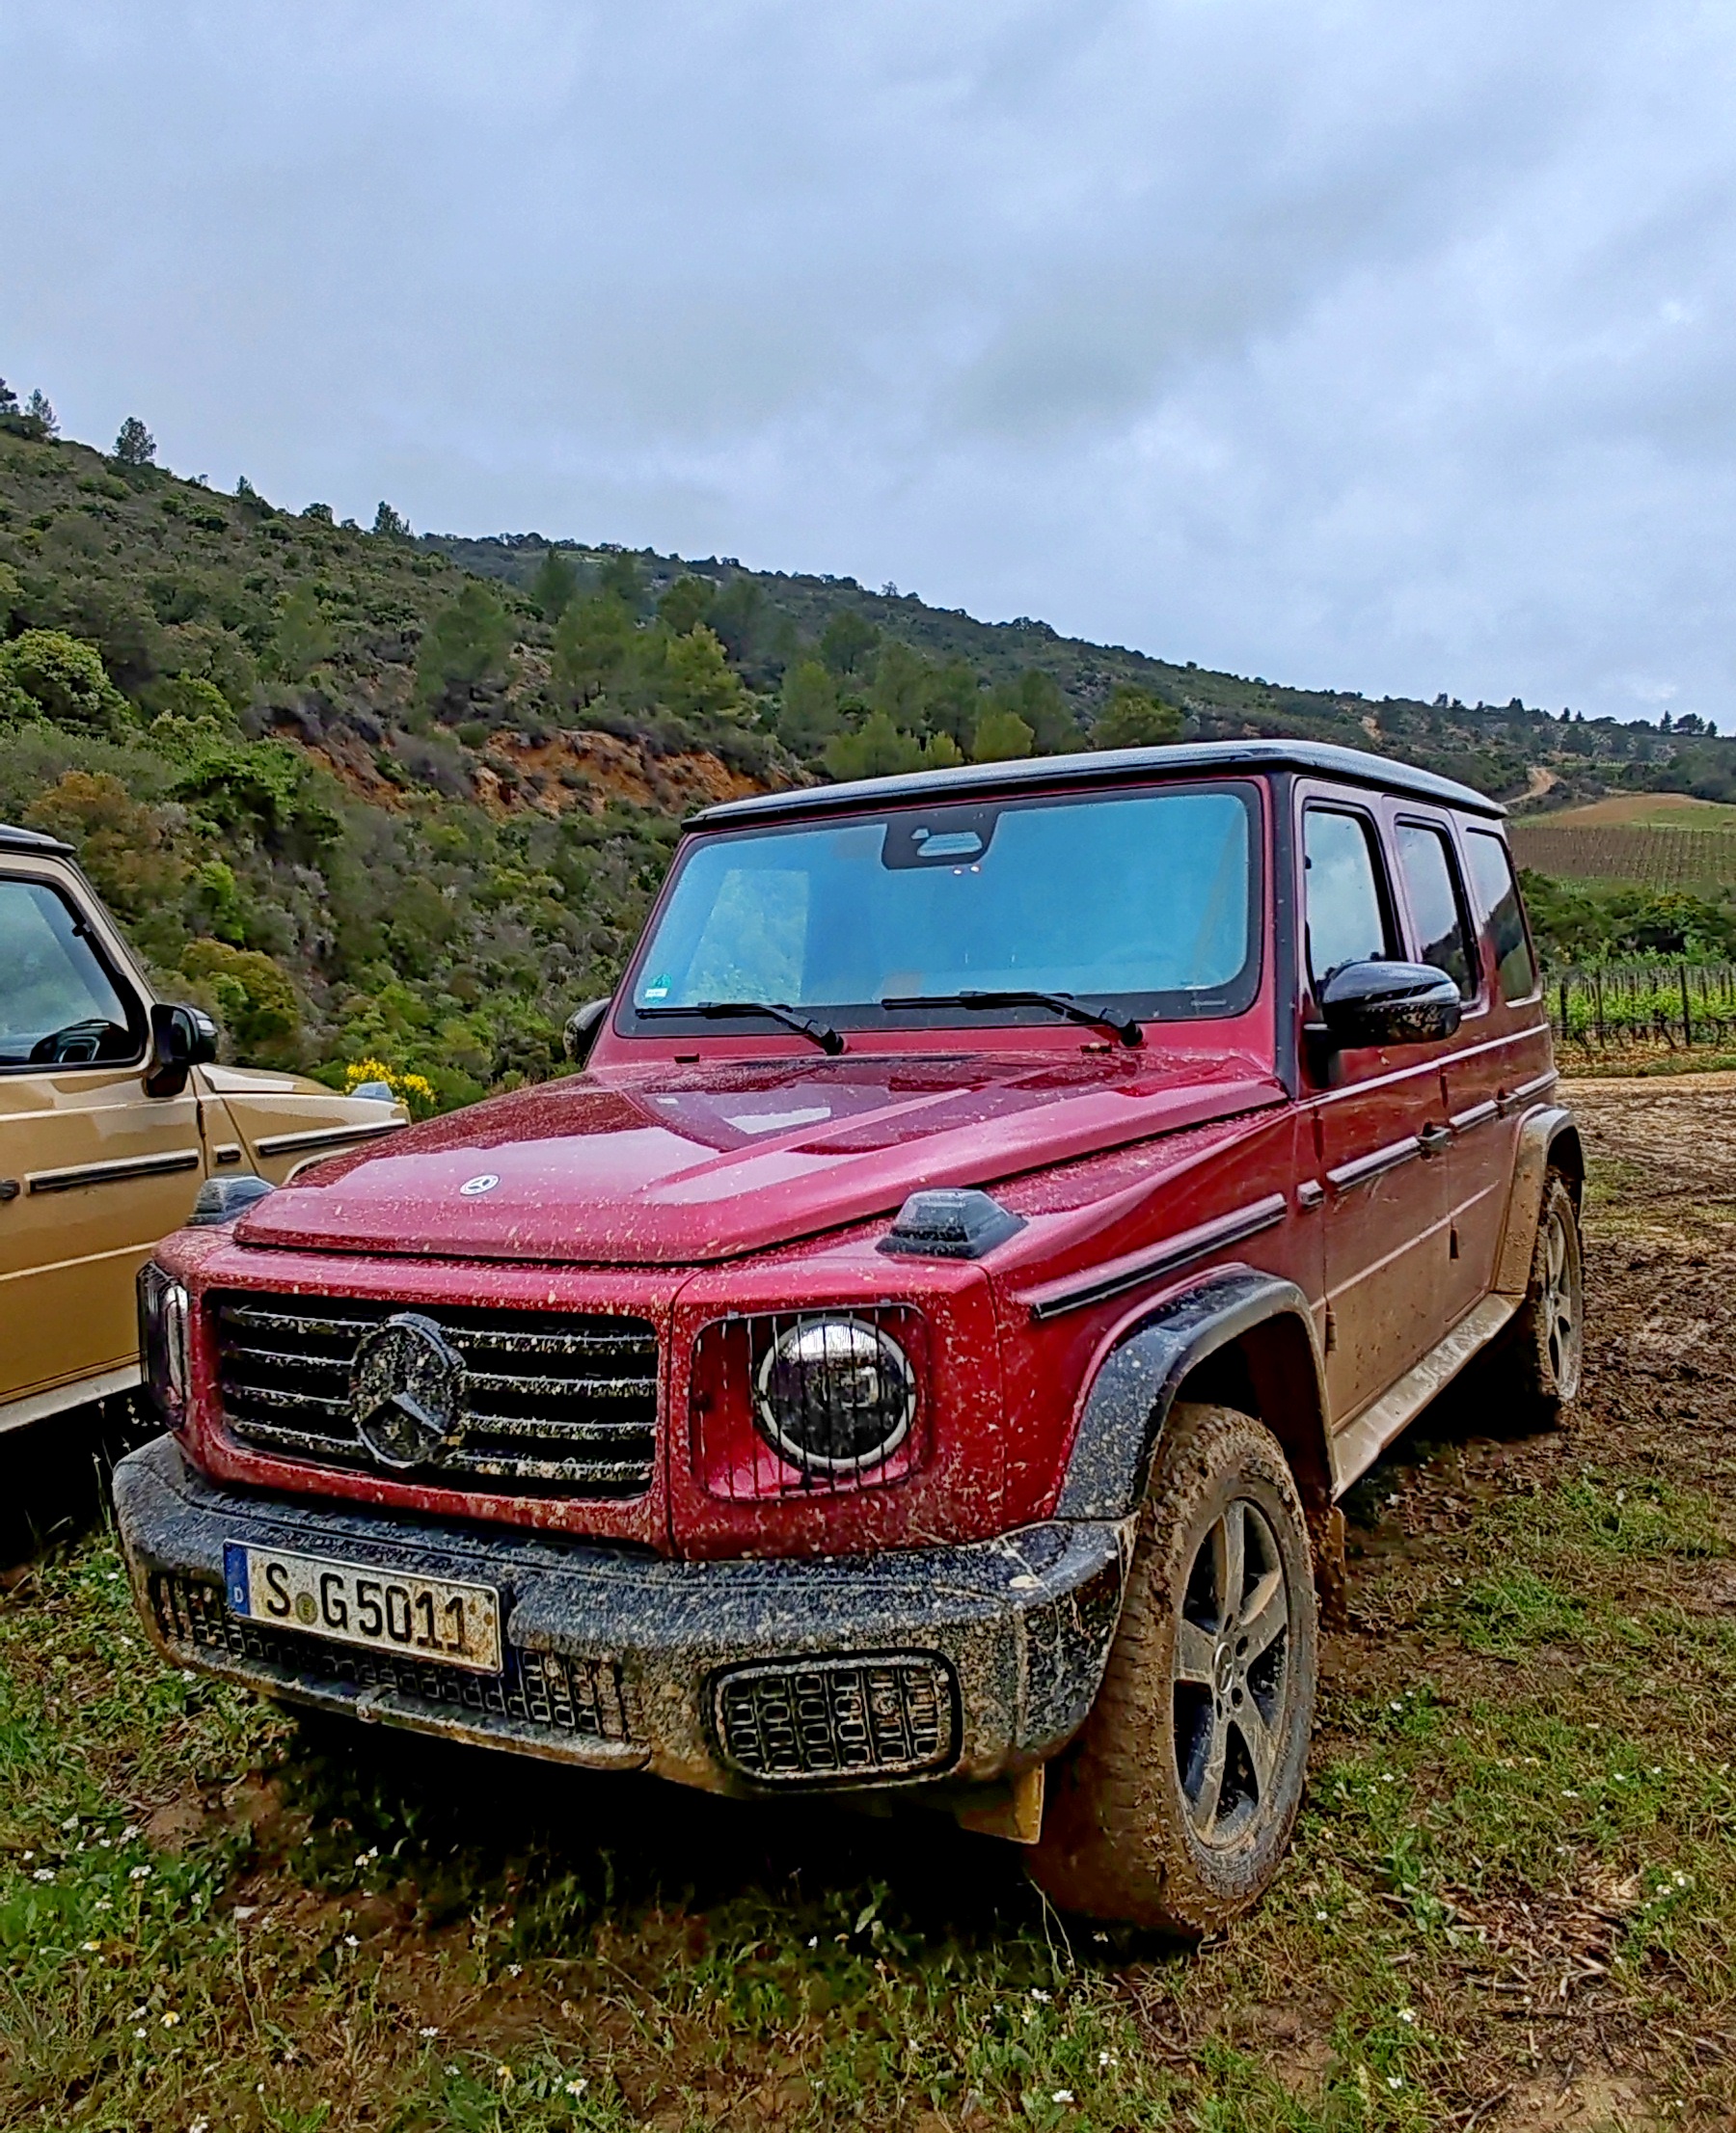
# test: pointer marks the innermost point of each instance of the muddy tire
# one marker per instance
(1174, 1807)
(1543, 1355)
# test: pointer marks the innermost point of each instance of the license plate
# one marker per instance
(422, 1618)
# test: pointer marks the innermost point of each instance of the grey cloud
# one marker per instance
(1384, 347)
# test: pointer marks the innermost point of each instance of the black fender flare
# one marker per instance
(1135, 1386)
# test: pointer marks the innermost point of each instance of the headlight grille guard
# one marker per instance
(740, 1457)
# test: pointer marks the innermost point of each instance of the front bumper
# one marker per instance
(964, 1663)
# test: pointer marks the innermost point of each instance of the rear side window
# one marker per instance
(1345, 902)
(1437, 906)
(1499, 908)
(58, 1005)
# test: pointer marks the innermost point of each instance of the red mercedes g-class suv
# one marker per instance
(1001, 1211)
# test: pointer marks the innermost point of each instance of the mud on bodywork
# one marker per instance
(964, 1663)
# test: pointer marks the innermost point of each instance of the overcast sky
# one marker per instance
(1372, 346)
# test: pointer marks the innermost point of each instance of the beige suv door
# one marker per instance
(92, 1170)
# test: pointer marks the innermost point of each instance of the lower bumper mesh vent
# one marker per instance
(566, 1698)
(838, 1718)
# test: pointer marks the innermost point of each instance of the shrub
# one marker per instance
(255, 1000)
(1001, 737)
(876, 749)
(124, 845)
(413, 1090)
(1131, 719)
(46, 673)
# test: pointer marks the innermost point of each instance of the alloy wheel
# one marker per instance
(1561, 1303)
(1231, 1674)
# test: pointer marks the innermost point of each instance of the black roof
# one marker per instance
(28, 840)
(1105, 766)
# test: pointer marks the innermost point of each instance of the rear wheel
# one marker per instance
(1545, 1348)
(1174, 1807)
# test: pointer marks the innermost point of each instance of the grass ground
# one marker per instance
(1511, 1902)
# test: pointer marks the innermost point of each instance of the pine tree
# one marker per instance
(592, 646)
(39, 409)
(135, 445)
(390, 522)
(463, 647)
(807, 717)
(555, 585)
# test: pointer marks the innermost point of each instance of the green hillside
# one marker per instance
(370, 796)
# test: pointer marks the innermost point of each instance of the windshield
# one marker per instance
(1146, 900)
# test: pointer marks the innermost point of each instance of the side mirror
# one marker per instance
(581, 1027)
(1388, 1004)
(181, 1038)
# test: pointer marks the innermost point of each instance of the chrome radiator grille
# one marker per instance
(576, 1698)
(837, 1718)
(554, 1401)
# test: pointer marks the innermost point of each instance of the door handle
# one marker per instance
(1434, 1139)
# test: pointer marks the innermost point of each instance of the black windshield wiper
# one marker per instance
(721, 1010)
(1059, 1003)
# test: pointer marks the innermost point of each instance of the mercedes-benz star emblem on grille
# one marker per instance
(407, 1392)
(486, 1183)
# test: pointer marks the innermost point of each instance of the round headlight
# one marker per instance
(835, 1395)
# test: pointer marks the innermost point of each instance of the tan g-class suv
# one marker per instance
(114, 1119)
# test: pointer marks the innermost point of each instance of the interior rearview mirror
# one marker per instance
(1388, 1004)
(581, 1032)
(181, 1038)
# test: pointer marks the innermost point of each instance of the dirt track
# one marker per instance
(1657, 1402)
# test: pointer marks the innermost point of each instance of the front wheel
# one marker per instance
(1174, 1807)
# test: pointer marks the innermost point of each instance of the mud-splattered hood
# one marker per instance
(633, 1167)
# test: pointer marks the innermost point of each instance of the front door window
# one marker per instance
(58, 1005)
(1346, 910)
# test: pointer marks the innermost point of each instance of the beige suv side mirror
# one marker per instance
(181, 1038)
